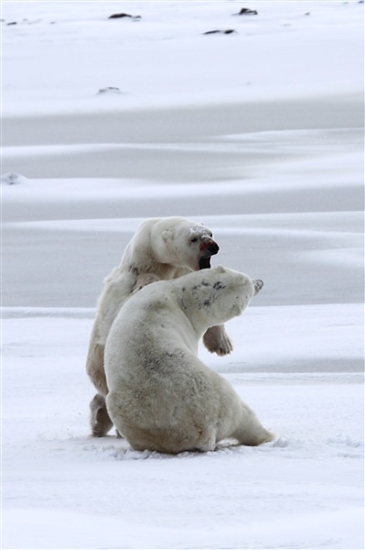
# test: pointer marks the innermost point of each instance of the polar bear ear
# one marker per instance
(220, 269)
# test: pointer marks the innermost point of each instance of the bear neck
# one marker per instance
(199, 319)
(152, 260)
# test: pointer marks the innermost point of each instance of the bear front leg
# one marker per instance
(216, 340)
(100, 421)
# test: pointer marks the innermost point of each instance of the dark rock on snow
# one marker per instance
(122, 15)
(12, 178)
(228, 31)
(109, 90)
(246, 11)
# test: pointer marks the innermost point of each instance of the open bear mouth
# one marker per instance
(208, 248)
(204, 263)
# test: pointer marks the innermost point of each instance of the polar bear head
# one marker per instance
(172, 242)
(181, 242)
(213, 297)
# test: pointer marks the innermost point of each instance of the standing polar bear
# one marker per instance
(161, 249)
(161, 396)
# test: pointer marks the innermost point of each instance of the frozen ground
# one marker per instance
(259, 135)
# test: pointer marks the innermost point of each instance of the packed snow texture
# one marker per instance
(258, 134)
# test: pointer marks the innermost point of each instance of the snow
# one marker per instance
(64, 489)
(259, 135)
(165, 56)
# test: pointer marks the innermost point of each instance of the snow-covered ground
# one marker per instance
(258, 134)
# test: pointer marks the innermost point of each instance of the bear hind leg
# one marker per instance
(251, 432)
(95, 367)
(100, 421)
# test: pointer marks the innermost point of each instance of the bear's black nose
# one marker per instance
(212, 247)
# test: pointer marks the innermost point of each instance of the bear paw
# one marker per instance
(216, 340)
(99, 418)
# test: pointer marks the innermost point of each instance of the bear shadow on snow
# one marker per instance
(161, 396)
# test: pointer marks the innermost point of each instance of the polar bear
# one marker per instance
(161, 396)
(161, 249)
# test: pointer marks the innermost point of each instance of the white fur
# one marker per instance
(161, 249)
(161, 396)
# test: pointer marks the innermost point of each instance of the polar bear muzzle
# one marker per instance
(208, 248)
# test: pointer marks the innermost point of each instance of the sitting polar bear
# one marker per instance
(162, 248)
(161, 396)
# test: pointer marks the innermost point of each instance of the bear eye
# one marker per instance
(194, 240)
